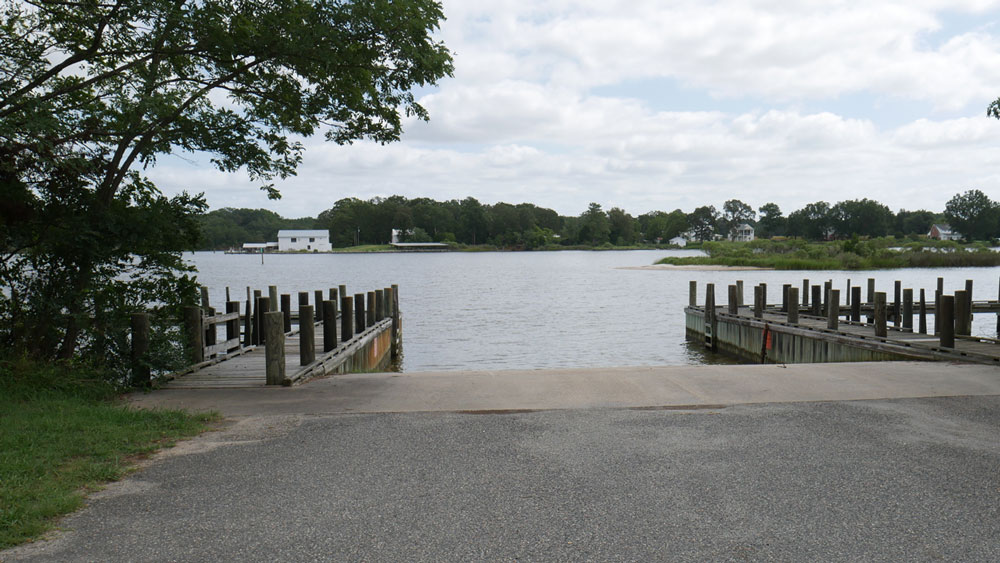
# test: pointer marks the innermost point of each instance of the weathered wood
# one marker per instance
(329, 325)
(140, 349)
(784, 297)
(962, 315)
(394, 311)
(758, 302)
(204, 297)
(194, 334)
(937, 303)
(908, 308)
(968, 298)
(693, 293)
(370, 309)
(346, 318)
(710, 316)
(833, 310)
(258, 318)
(763, 296)
(739, 293)
(923, 312)
(317, 304)
(379, 304)
(733, 302)
(881, 329)
(272, 297)
(307, 335)
(248, 324)
(871, 298)
(387, 301)
(342, 289)
(265, 308)
(805, 293)
(817, 300)
(856, 304)
(946, 327)
(359, 313)
(303, 300)
(274, 347)
(793, 309)
(848, 294)
(286, 312)
(897, 318)
(333, 294)
(233, 325)
(827, 286)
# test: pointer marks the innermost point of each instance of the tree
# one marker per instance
(92, 93)
(702, 221)
(622, 227)
(812, 221)
(734, 214)
(994, 109)
(771, 222)
(861, 217)
(974, 215)
(594, 226)
(913, 222)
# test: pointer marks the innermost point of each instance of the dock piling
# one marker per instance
(881, 330)
(908, 309)
(871, 298)
(359, 313)
(370, 311)
(692, 293)
(195, 334)
(784, 297)
(897, 318)
(329, 325)
(274, 348)
(272, 294)
(856, 304)
(817, 300)
(739, 293)
(833, 310)
(793, 309)
(346, 318)
(733, 301)
(286, 312)
(805, 293)
(923, 313)
(758, 301)
(307, 336)
(961, 311)
(947, 323)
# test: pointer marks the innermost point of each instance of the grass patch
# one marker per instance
(366, 248)
(854, 254)
(64, 431)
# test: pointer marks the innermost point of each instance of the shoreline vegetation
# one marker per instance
(853, 254)
(65, 432)
(458, 247)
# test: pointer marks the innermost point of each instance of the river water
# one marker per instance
(539, 310)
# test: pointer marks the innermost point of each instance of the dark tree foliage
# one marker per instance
(994, 109)
(229, 228)
(93, 92)
(813, 222)
(772, 222)
(974, 215)
(862, 217)
(913, 223)
(703, 221)
(734, 214)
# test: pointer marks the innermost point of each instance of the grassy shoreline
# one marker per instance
(875, 254)
(65, 431)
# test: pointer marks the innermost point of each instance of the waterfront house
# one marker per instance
(743, 233)
(309, 241)
(678, 241)
(943, 232)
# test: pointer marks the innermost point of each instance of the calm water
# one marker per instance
(535, 310)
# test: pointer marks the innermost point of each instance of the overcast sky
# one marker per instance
(654, 105)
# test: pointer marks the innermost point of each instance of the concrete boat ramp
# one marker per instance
(812, 462)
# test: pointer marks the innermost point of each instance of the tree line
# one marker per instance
(353, 221)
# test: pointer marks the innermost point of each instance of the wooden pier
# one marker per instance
(824, 329)
(278, 346)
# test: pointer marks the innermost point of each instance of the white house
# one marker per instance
(943, 232)
(743, 233)
(679, 241)
(315, 241)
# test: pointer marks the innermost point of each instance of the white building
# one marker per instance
(679, 241)
(743, 233)
(314, 241)
(943, 232)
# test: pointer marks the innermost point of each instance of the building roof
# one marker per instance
(943, 228)
(292, 233)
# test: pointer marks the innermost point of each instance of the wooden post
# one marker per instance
(379, 304)
(233, 327)
(393, 300)
(387, 301)
(286, 312)
(692, 293)
(856, 303)
(710, 315)
(871, 298)
(968, 297)
(274, 347)
(359, 313)
(204, 298)
(817, 300)
(258, 319)
(961, 313)
(998, 314)
(346, 318)
(140, 349)
(739, 293)
(897, 318)
(758, 302)
(763, 297)
(784, 297)
(307, 336)
(937, 304)
(908, 309)
(317, 304)
(303, 300)
(805, 293)
(329, 325)
(946, 327)
(333, 294)
(793, 301)
(827, 287)
(734, 304)
(833, 310)
(370, 310)
(881, 330)
(265, 308)
(272, 297)
(228, 298)
(847, 296)
(342, 289)
(248, 321)
(195, 334)
(923, 312)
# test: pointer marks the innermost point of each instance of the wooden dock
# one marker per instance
(793, 333)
